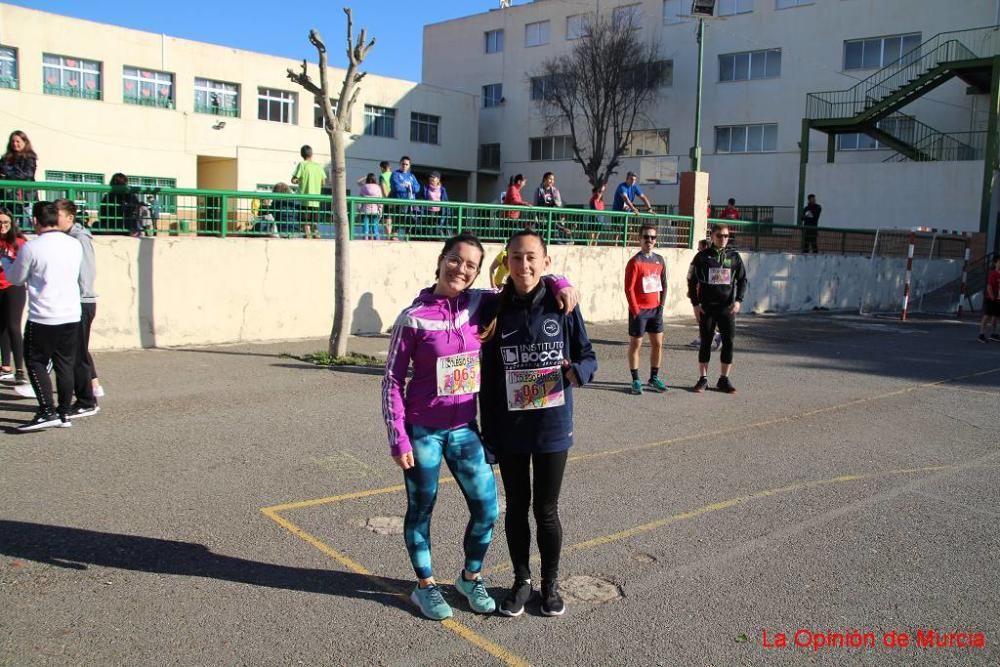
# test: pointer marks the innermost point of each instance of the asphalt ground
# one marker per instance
(215, 512)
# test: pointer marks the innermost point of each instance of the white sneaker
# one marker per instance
(695, 343)
(24, 390)
(99, 391)
(6, 376)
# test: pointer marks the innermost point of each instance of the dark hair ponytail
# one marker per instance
(514, 179)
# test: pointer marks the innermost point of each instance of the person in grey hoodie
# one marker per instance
(84, 372)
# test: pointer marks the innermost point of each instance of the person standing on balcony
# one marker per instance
(370, 213)
(730, 212)
(547, 195)
(120, 208)
(628, 193)
(646, 293)
(310, 178)
(384, 177)
(513, 196)
(810, 220)
(404, 185)
(434, 214)
(18, 164)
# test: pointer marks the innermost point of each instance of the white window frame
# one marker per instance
(734, 7)
(577, 25)
(747, 136)
(537, 33)
(8, 67)
(743, 62)
(492, 95)
(287, 101)
(71, 178)
(138, 81)
(380, 121)
(915, 39)
(558, 147)
(425, 125)
(66, 70)
(494, 41)
(673, 11)
(630, 14)
(642, 143)
(318, 119)
(227, 96)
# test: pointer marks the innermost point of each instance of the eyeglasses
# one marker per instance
(722, 236)
(455, 261)
(647, 237)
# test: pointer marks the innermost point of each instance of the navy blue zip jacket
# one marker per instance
(525, 401)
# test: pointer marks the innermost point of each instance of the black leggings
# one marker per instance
(11, 310)
(712, 317)
(515, 469)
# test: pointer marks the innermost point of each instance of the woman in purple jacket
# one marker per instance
(434, 418)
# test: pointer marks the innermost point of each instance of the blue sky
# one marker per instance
(279, 29)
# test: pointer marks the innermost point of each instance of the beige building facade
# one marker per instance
(171, 112)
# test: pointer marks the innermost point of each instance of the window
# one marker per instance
(856, 141)
(489, 156)
(675, 12)
(731, 7)
(492, 95)
(577, 26)
(217, 98)
(318, 119)
(879, 51)
(8, 67)
(627, 16)
(166, 203)
(380, 121)
(785, 4)
(750, 65)
(746, 138)
(92, 199)
(659, 73)
(901, 126)
(65, 75)
(147, 87)
(424, 128)
(540, 87)
(648, 142)
(277, 105)
(536, 34)
(494, 41)
(551, 148)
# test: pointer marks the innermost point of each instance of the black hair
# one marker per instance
(811, 196)
(370, 178)
(407, 158)
(45, 213)
(66, 206)
(547, 174)
(515, 178)
(384, 164)
(306, 152)
(464, 237)
(118, 179)
(731, 202)
(14, 233)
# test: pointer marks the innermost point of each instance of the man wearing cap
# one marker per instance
(627, 194)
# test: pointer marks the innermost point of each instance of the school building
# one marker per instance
(96, 99)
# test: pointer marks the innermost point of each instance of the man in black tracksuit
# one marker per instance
(717, 282)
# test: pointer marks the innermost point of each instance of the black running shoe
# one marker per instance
(552, 603)
(995, 338)
(513, 604)
(725, 385)
(982, 338)
(42, 420)
(82, 411)
(701, 385)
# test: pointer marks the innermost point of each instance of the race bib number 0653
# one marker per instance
(535, 389)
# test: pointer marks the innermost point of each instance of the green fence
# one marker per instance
(178, 211)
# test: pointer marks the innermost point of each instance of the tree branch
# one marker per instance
(302, 78)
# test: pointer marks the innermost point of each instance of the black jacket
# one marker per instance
(716, 277)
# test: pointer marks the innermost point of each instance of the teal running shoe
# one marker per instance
(637, 387)
(432, 604)
(475, 593)
(656, 383)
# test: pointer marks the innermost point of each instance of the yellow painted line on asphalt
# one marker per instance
(450, 624)
(724, 505)
(660, 443)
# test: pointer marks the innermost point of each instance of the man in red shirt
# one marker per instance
(730, 212)
(991, 304)
(646, 292)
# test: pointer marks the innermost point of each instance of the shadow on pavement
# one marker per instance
(357, 370)
(77, 549)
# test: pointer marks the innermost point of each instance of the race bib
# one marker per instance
(717, 276)
(535, 389)
(651, 284)
(458, 374)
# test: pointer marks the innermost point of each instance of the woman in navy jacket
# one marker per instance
(532, 356)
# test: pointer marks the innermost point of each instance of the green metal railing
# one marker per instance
(226, 214)
(958, 45)
(943, 146)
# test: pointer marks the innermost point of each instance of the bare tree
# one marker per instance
(598, 91)
(338, 127)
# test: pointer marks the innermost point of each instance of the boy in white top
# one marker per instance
(50, 266)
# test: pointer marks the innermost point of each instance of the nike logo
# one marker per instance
(507, 335)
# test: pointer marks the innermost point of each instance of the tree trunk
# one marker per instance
(342, 266)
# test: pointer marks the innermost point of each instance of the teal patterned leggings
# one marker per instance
(463, 452)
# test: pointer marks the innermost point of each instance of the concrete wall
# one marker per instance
(194, 291)
(942, 195)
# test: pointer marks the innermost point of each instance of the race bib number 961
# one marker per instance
(458, 374)
(535, 389)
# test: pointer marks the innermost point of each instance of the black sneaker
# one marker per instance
(513, 604)
(42, 420)
(701, 385)
(725, 385)
(552, 603)
(982, 338)
(82, 411)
